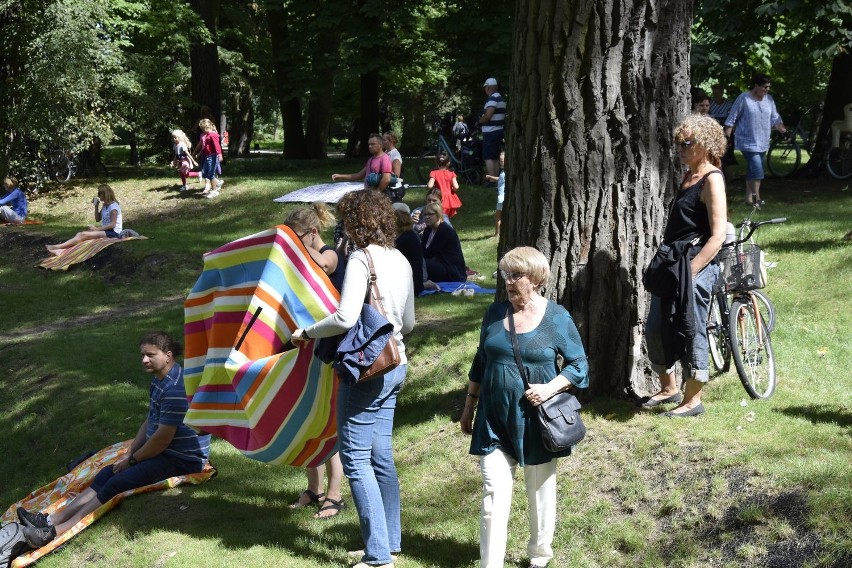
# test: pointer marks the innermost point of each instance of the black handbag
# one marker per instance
(558, 417)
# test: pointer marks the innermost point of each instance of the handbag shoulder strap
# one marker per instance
(516, 350)
(372, 286)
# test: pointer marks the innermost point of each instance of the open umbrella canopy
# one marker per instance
(244, 380)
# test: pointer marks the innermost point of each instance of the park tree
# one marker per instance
(204, 60)
(596, 89)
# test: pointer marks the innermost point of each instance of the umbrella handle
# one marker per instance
(248, 327)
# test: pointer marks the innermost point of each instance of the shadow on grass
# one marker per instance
(819, 414)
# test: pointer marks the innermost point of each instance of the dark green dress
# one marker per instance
(504, 418)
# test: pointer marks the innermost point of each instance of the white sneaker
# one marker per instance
(207, 189)
(183, 188)
(219, 184)
(359, 554)
(213, 194)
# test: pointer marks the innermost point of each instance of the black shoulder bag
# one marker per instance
(558, 417)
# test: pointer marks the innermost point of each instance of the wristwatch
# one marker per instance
(131, 460)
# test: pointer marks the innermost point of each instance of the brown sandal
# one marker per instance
(330, 504)
(315, 498)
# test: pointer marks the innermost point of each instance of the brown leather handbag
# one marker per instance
(389, 359)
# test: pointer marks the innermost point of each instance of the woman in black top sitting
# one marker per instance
(441, 248)
(408, 243)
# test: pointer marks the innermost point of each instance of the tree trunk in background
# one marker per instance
(414, 128)
(291, 107)
(134, 148)
(204, 60)
(597, 89)
(242, 126)
(369, 122)
(838, 94)
(321, 101)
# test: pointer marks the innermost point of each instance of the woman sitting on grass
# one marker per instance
(109, 216)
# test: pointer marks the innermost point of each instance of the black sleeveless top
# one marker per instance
(689, 218)
(336, 277)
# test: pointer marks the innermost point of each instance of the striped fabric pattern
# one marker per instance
(274, 403)
(81, 252)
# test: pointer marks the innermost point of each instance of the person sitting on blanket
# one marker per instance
(164, 446)
(441, 249)
(13, 205)
(109, 216)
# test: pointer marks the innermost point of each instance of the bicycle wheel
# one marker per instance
(473, 174)
(767, 310)
(61, 168)
(425, 164)
(784, 157)
(720, 351)
(752, 349)
(839, 162)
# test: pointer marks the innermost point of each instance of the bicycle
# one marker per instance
(839, 160)
(60, 164)
(739, 330)
(467, 165)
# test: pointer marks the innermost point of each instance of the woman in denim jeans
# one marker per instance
(365, 410)
(699, 211)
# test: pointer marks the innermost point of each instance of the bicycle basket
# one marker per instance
(742, 269)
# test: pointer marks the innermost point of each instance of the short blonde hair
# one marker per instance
(528, 260)
(433, 208)
(707, 133)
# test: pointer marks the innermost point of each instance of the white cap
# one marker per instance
(490, 82)
(400, 206)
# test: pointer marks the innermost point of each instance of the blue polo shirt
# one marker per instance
(168, 406)
(17, 201)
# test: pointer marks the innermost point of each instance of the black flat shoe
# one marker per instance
(651, 403)
(694, 411)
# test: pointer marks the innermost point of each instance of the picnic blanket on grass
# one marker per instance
(326, 192)
(244, 380)
(81, 252)
(58, 494)
(27, 221)
(459, 289)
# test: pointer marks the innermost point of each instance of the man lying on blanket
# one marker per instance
(164, 447)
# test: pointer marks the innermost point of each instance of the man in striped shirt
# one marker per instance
(492, 122)
(164, 446)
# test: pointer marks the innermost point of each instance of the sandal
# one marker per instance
(314, 499)
(330, 504)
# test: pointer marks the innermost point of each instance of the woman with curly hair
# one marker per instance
(699, 212)
(365, 410)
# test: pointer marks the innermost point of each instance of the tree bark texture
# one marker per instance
(369, 122)
(204, 60)
(597, 89)
(321, 99)
(242, 126)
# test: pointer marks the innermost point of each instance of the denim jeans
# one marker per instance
(364, 426)
(108, 484)
(695, 363)
(754, 163)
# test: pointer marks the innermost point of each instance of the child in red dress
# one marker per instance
(447, 183)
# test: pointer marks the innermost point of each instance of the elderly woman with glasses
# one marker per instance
(504, 429)
(441, 248)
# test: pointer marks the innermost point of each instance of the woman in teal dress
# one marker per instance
(505, 432)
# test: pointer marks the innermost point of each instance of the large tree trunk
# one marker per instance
(414, 127)
(242, 126)
(204, 60)
(321, 101)
(291, 106)
(838, 94)
(10, 71)
(369, 122)
(597, 89)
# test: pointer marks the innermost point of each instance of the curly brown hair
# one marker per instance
(707, 133)
(368, 218)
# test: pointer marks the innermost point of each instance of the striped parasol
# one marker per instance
(244, 380)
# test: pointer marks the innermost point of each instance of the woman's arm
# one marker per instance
(351, 300)
(396, 167)
(470, 401)
(327, 260)
(713, 197)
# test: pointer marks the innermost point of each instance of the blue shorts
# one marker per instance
(754, 161)
(108, 484)
(492, 143)
(112, 234)
(209, 166)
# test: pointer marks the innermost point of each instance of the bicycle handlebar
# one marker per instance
(754, 225)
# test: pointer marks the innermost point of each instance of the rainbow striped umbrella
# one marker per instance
(245, 382)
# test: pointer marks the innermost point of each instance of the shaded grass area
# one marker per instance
(765, 484)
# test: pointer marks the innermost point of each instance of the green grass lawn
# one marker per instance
(747, 484)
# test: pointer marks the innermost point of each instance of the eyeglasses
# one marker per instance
(686, 143)
(303, 235)
(512, 276)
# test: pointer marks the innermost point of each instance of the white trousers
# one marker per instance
(498, 472)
